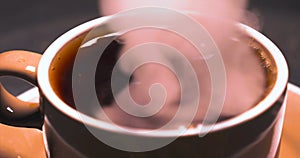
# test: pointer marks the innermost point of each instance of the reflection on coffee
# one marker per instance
(246, 84)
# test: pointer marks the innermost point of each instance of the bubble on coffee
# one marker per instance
(245, 79)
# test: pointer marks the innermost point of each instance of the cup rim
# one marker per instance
(48, 92)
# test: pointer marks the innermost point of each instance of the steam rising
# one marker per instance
(245, 76)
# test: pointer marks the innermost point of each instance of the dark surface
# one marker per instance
(34, 24)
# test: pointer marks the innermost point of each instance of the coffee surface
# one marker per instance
(246, 82)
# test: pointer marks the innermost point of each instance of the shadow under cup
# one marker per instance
(254, 133)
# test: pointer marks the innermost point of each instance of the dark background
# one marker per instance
(34, 24)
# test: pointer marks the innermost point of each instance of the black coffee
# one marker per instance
(63, 81)
(61, 77)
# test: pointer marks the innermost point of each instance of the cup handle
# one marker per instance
(21, 64)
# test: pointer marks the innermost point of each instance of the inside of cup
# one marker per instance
(60, 72)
